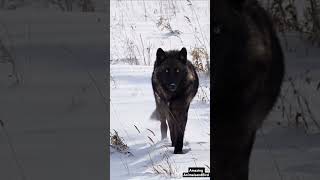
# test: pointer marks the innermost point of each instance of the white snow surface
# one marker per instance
(137, 30)
(49, 120)
(132, 103)
(55, 118)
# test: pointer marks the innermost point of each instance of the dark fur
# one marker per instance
(247, 75)
(173, 105)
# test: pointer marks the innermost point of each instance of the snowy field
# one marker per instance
(54, 118)
(138, 29)
(132, 103)
(287, 147)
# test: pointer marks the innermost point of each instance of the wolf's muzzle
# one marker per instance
(172, 87)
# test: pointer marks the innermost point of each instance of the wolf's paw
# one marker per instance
(177, 151)
(184, 151)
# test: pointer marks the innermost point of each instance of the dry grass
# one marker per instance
(199, 56)
(202, 95)
(295, 104)
(117, 143)
(164, 24)
(166, 167)
(6, 57)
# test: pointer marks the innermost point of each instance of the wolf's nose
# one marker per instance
(172, 87)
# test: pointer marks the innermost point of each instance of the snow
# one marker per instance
(132, 103)
(137, 30)
(285, 149)
(55, 118)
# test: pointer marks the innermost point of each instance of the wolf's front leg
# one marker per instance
(179, 115)
(171, 122)
(180, 128)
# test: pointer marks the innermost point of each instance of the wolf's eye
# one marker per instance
(177, 70)
(167, 70)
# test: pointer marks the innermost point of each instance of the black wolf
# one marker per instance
(247, 76)
(175, 83)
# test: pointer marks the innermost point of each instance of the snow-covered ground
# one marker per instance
(287, 146)
(285, 149)
(132, 103)
(55, 118)
(137, 30)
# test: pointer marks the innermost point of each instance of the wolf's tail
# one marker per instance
(155, 115)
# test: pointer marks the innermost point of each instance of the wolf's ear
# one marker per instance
(161, 55)
(183, 55)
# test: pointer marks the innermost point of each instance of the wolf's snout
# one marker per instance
(172, 87)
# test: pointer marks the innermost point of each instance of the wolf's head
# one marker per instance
(230, 26)
(229, 13)
(171, 68)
